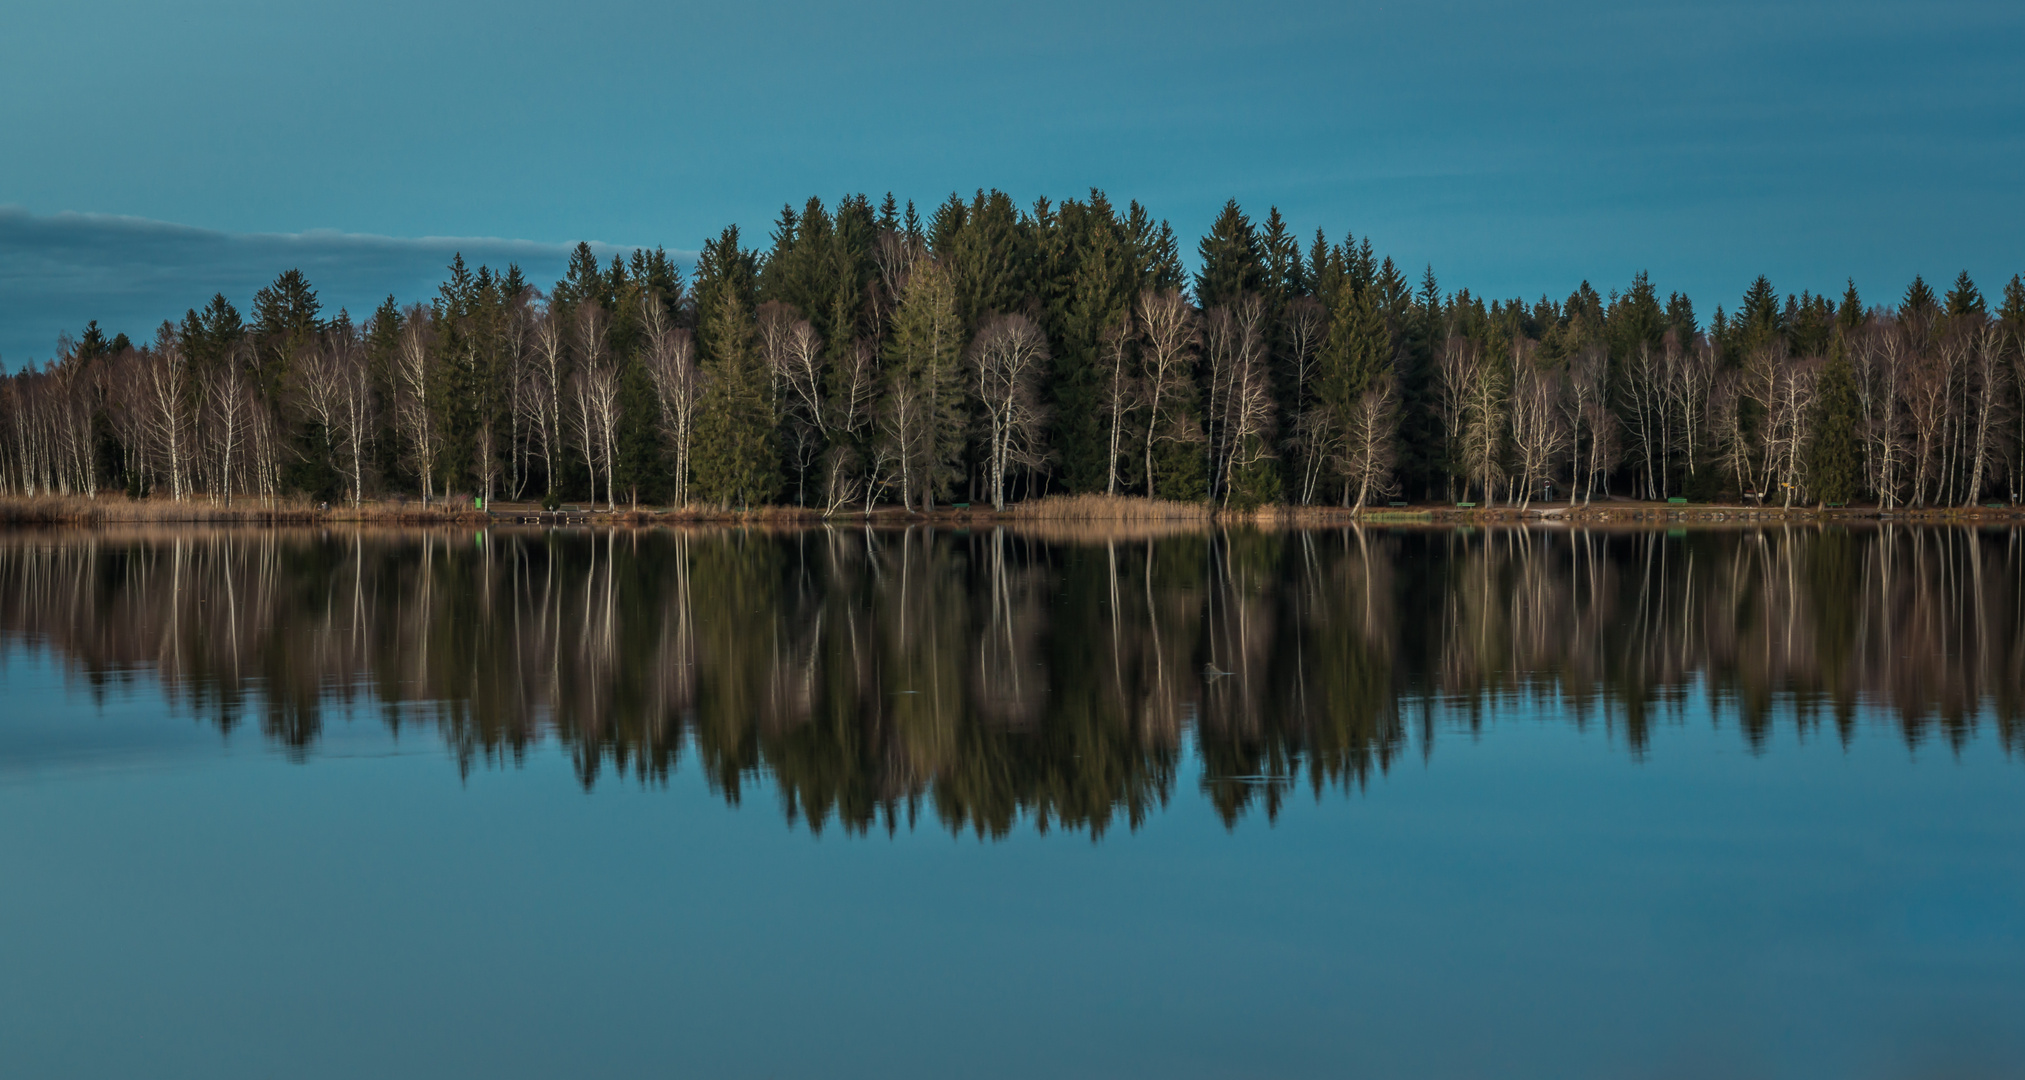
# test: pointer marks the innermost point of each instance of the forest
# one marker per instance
(988, 354)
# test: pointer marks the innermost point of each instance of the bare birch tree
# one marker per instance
(1538, 433)
(1370, 441)
(678, 387)
(414, 380)
(1006, 359)
(168, 396)
(1168, 355)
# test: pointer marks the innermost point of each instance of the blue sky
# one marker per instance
(1518, 148)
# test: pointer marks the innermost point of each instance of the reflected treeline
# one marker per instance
(994, 677)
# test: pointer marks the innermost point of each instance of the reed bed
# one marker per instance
(1108, 508)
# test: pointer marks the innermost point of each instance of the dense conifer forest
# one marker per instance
(987, 354)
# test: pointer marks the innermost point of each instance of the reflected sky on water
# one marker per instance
(1056, 801)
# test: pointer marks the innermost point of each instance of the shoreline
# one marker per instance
(1058, 511)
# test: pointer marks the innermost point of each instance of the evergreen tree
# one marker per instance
(735, 459)
(1811, 320)
(285, 321)
(1635, 321)
(1680, 317)
(723, 268)
(1357, 354)
(1421, 458)
(924, 369)
(1760, 319)
(1919, 299)
(1155, 253)
(1835, 456)
(92, 343)
(1849, 314)
(211, 337)
(1359, 347)
(1282, 275)
(2013, 311)
(1230, 260)
(583, 280)
(1964, 298)
(1325, 269)
(1098, 269)
(987, 249)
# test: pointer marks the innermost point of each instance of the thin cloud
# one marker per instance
(59, 271)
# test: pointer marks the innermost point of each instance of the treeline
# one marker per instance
(989, 353)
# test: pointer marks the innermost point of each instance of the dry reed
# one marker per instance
(1108, 508)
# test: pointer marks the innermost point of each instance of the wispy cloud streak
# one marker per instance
(58, 271)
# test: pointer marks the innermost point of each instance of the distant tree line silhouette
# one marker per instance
(987, 353)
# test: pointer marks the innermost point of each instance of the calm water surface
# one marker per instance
(930, 803)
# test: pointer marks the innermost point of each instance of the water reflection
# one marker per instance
(990, 677)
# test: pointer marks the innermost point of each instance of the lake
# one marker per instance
(1051, 801)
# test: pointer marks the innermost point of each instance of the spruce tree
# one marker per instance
(1849, 314)
(1229, 255)
(723, 267)
(1919, 301)
(583, 280)
(1636, 320)
(1811, 320)
(1357, 353)
(1282, 275)
(1964, 298)
(2013, 311)
(1760, 320)
(1835, 456)
(1097, 283)
(924, 369)
(735, 459)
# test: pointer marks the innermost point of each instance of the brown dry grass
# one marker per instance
(1107, 508)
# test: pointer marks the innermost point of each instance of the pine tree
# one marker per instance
(1919, 299)
(1098, 276)
(924, 367)
(1760, 320)
(1849, 314)
(988, 249)
(736, 463)
(1155, 254)
(1835, 457)
(1636, 320)
(1680, 317)
(1811, 320)
(2013, 311)
(723, 267)
(1282, 275)
(1964, 298)
(1229, 255)
(583, 280)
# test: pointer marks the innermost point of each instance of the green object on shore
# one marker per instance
(960, 506)
(1396, 502)
(1466, 506)
(1676, 501)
